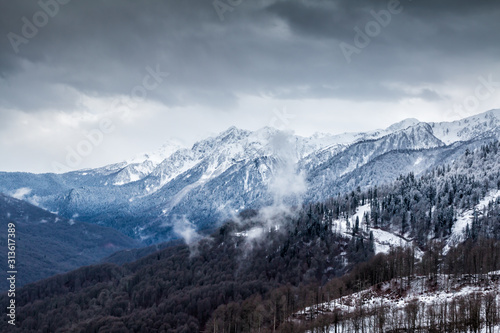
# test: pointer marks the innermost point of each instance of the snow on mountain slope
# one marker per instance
(399, 300)
(235, 170)
(465, 218)
(214, 154)
(404, 124)
(232, 147)
(384, 240)
(156, 157)
(328, 145)
(323, 175)
(133, 172)
(142, 165)
(484, 124)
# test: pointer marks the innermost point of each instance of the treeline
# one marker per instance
(282, 309)
(475, 312)
(179, 288)
(464, 265)
(427, 206)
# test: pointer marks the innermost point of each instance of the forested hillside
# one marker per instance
(48, 244)
(260, 269)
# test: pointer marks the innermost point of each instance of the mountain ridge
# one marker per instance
(238, 169)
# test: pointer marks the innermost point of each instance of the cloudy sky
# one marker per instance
(144, 72)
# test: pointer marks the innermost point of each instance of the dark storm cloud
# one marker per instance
(286, 49)
(441, 26)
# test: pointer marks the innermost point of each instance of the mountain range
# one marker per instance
(420, 247)
(153, 196)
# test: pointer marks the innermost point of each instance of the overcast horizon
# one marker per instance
(142, 73)
(281, 120)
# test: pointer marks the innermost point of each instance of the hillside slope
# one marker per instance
(47, 244)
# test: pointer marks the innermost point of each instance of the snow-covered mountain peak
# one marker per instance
(485, 124)
(235, 144)
(488, 116)
(493, 112)
(231, 134)
(142, 165)
(418, 136)
(156, 157)
(402, 124)
(418, 126)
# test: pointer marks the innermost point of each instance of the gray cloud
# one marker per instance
(286, 51)
(103, 48)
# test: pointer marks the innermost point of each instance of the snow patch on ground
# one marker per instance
(466, 217)
(397, 294)
(21, 193)
(384, 240)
